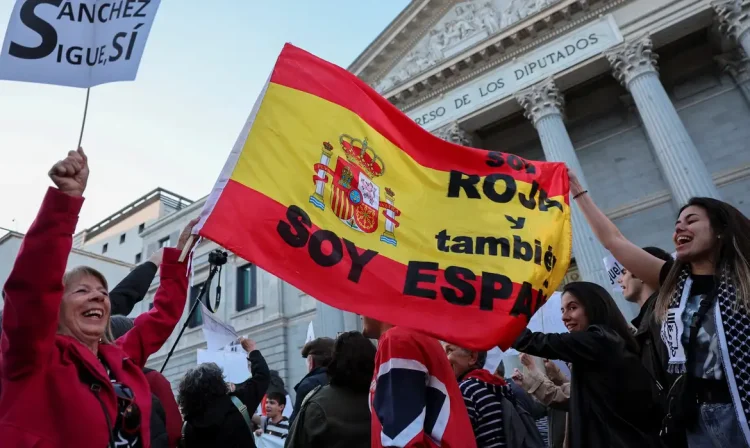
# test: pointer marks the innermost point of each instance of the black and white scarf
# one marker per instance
(733, 330)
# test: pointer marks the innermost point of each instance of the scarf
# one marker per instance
(486, 377)
(732, 328)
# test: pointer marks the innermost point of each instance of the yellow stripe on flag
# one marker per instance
(286, 142)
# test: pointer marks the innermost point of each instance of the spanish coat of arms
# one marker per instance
(355, 197)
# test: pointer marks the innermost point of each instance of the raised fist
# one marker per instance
(247, 344)
(71, 175)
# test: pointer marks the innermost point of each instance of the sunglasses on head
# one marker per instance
(129, 410)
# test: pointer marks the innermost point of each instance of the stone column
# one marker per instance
(634, 65)
(455, 134)
(732, 16)
(737, 65)
(328, 321)
(543, 105)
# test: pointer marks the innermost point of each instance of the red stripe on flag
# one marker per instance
(303, 71)
(379, 292)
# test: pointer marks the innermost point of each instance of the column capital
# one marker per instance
(732, 17)
(736, 64)
(541, 100)
(455, 134)
(632, 59)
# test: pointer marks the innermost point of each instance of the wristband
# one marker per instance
(580, 194)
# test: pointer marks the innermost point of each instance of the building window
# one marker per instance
(122, 238)
(246, 290)
(164, 242)
(104, 248)
(196, 320)
(141, 227)
(137, 258)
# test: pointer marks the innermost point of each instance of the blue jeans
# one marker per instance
(717, 428)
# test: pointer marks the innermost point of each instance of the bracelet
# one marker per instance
(580, 194)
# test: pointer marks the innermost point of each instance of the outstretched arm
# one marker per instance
(34, 289)
(133, 288)
(580, 346)
(636, 260)
(151, 329)
(251, 392)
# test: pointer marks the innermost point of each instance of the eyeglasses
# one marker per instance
(129, 410)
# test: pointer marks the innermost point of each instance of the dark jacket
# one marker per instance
(653, 350)
(332, 417)
(45, 403)
(132, 289)
(161, 388)
(159, 437)
(221, 424)
(316, 377)
(610, 401)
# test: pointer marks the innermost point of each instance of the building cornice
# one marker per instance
(171, 218)
(82, 252)
(505, 46)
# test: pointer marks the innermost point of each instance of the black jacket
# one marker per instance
(611, 403)
(159, 436)
(221, 424)
(332, 417)
(316, 377)
(653, 350)
(132, 289)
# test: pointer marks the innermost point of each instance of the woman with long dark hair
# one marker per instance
(337, 415)
(703, 304)
(610, 393)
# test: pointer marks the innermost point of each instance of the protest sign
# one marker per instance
(494, 358)
(76, 43)
(310, 333)
(233, 363)
(269, 441)
(352, 202)
(614, 272)
(217, 333)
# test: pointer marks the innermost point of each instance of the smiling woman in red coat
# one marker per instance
(63, 383)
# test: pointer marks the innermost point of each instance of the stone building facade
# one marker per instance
(647, 100)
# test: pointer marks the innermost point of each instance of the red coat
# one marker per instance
(44, 403)
(163, 391)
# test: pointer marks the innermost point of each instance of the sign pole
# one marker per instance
(85, 112)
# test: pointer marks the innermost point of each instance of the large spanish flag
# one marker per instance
(333, 189)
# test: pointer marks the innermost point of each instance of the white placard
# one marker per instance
(310, 333)
(269, 441)
(614, 272)
(217, 333)
(234, 364)
(76, 43)
(494, 358)
(561, 54)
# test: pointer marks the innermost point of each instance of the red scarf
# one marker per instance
(485, 377)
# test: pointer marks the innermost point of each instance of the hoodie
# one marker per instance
(221, 424)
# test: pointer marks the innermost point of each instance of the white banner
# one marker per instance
(235, 364)
(614, 272)
(217, 333)
(310, 333)
(269, 441)
(76, 43)
(538, 64)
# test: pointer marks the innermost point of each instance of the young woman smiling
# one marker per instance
(706, 288)
(610, 394)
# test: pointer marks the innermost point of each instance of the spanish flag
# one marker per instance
(333, 189)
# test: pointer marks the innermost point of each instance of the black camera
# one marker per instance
(217, 257)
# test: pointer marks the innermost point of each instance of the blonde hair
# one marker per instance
(79, 272)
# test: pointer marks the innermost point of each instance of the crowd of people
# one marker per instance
(72, 366)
